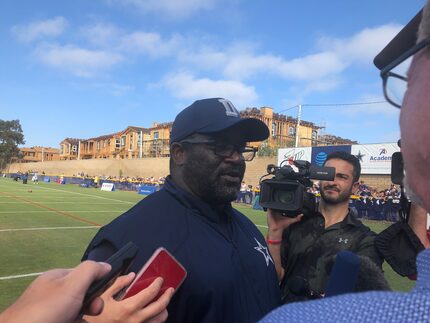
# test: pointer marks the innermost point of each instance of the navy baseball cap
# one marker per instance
(215, 115)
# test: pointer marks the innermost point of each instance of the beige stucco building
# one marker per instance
(137, 142)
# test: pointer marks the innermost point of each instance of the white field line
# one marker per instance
(49, 228)
(95, 196)
(33, 198)
(44, 196)
(64, 202)
(77, 193)
(261, 226)
(20, 276)
(80, 211)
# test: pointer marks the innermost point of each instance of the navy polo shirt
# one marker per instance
(231, 276)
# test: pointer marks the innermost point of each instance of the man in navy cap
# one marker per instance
(231, 275)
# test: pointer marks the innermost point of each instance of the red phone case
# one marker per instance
(161, 264)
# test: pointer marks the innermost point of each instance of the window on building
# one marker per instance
(291, 131)
(156, 135)
(74, 148)
(123, 141)
(98, 145)
(104, 143)
(314, 135)
(273, 129)
(117, 143)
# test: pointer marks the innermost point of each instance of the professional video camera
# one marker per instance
(287, 189)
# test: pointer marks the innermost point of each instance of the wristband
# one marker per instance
(275, 242)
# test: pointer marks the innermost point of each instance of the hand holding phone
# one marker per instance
(161, 264)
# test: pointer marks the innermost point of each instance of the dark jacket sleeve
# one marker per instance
(399, 246)
(367, 248)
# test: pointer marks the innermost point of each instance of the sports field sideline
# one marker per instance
(47, 225)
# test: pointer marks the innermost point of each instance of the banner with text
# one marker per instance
(303, 153)
(375, 158)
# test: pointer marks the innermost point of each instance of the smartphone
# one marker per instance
(120, 262)
(161, 264)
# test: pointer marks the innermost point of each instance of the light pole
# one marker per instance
(299, 115)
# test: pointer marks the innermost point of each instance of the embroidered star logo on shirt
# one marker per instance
(343, 240)
(264, 252)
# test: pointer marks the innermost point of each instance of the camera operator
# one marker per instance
(303, 246)
(414, 118)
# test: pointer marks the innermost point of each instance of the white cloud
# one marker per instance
(102, 34)
(150, 44)
(170, 8)
(237, 65)
(362, 46)
(39, 29)
(186, 86)
(319, 70)
(79, 61)
(313, 67)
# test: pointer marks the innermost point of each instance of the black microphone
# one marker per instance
(344, 275)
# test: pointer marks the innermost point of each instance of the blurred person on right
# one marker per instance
(412, 42)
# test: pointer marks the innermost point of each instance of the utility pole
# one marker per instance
(299, 115)
(141, 144)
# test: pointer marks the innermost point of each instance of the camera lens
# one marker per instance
(286, 197)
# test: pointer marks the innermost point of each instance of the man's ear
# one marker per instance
(178, 153)
(355, 187)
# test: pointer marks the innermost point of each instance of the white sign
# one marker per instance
(375, 158)
(304, 153)
(110, 187)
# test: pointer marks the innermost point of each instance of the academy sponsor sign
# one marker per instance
(291, 154)
(375, 158)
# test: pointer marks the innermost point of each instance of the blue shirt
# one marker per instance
(365, 307)
(230, 274)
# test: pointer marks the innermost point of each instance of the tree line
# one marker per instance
(11, 136)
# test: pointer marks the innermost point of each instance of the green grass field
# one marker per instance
(46, 225)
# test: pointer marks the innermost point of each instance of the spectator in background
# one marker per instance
(249, 196)
(35, 178)
(242, 193)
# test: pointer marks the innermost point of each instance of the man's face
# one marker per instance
(339, 190)
(415, 129)
(213, 178)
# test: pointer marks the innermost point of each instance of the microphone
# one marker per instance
(344, 275)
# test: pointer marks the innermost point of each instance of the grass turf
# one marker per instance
(46, 225)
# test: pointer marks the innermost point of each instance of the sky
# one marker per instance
(86, 68)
